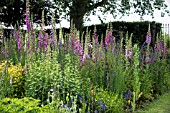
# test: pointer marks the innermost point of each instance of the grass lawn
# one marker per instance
(161, 105)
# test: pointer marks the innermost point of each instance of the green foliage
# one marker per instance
(112, 101)
(13, 75)
(136, 81)
(71, 80)
(160, 76)
(4, 77)
(113, 77)
(41, 76)
(24, 105)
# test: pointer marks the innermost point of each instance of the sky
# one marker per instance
(131, 17)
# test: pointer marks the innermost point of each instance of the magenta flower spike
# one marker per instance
(18, 40)
(19, 43)
(107, 39)
(148, 38)
(77, 47)
(51, 37)
(40, 42)
(83, 58)
(27, 20)
(45, 42)
(160, 47)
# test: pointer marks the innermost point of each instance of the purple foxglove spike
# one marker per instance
(19, 44)
(78, 48)
(83, 58)
(18, 41)
(160, 47)
(51, 37)
(148, 38)
(45, 41)
(27, 20)
(40, 42)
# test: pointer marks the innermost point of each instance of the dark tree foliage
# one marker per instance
(78, 10)
(37, 6)
(13, 12)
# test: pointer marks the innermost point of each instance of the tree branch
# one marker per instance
(91, 7)
(67, 4)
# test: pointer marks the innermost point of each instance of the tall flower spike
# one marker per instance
(61, 40)
(148, 36)
(18, 40)
(51, 37)
(95, 43)
(160, 47)
(87, 41)
(40, 42)
(45, 42)
(27, 17)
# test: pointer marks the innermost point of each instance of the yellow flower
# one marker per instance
(129, 102)
(15, 71)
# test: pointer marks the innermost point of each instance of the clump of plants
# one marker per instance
(12, 78)
(73, 74)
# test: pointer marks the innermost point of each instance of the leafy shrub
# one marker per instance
(71, 81)
(14, 75)
(24, 105)
(107, 101)
(41, 77)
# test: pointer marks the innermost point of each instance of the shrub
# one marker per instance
(24, 105)
(41, 77)
(13, 75)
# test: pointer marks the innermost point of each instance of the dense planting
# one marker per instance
(66, 74)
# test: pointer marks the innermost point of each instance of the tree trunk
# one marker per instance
(79, 8)
(77, 12)
(77, 21)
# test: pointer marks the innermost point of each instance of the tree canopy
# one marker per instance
(13, 12)
(76, 10)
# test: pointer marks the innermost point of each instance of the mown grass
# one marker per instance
(161, 105)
